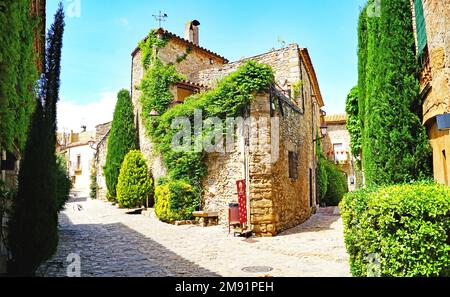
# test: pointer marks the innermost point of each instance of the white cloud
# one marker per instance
(124, 21)
(72, 115)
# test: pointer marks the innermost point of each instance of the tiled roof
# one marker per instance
(336, 119)
(187, 42)
(192, 84)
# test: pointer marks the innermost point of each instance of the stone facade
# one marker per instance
(101, 140)
(435, 82)
(281, 190)
(336, 147)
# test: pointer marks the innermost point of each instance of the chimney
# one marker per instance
(191, 31)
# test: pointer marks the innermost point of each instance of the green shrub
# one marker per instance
(93, 186)
(175, 200)
(63, 182)
(406, 226)
(336, 184)
(322, 178)
(134, 185)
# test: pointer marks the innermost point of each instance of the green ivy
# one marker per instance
(229, 98)
(150, 46)
(155, 87)
(185, 55)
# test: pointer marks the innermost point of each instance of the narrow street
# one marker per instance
(112, 243)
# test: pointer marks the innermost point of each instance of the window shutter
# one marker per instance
(420, 27)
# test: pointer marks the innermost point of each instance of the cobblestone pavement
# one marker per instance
(111, 242)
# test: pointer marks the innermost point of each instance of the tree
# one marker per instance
(17, 72)
(354, 122)
(134, 186)
(121, 140)
(394, 142)
(33, 227)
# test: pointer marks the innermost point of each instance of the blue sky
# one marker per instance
(101, 35)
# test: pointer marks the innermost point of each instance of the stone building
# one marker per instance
(336, 147)
(432, 31)
(78, 149)
(101, 142)
(280, 176)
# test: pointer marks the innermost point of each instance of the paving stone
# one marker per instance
(114, 244)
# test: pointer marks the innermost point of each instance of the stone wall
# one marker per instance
(436, 73)
(437, 15)
(154, 161)
(337, 133)
(101, 139)
(286, 63)
(280, 201)
(194, 61)
(219, 184)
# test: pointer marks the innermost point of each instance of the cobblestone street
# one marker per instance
(111, 243)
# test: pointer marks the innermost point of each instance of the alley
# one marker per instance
(111, 243)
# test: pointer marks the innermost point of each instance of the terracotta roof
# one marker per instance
(187, 42)
(310, 68)
(336, 119)
(192, 84)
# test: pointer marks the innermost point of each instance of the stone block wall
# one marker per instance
(437, 15)
(194, 61)
(101, 138)
(280, 201)
(286, 63)
(219, 184)
(436, 73)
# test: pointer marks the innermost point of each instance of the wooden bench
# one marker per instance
(207, 218)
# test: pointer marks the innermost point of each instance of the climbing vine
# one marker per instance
(150, 45)
(228, 99)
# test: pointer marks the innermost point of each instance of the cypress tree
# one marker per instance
(353, 121)
(33, 227)
(395, 144)
(17, 72)
(121, 140)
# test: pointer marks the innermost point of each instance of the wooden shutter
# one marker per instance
(420, 27)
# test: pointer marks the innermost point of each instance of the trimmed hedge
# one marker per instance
(406, 226)
(336, 184)
(175, 200)
(134, 184)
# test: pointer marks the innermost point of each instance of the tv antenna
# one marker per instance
(160, 18)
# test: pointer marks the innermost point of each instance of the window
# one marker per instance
(293, 165)
(420, 28)
(79, 162)
(337, 148)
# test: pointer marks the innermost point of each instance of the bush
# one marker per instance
(322, 178)
(406, 226)
(336, 184)
(93, 186)
(63, 182)
(175, 200)
(134, 185)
